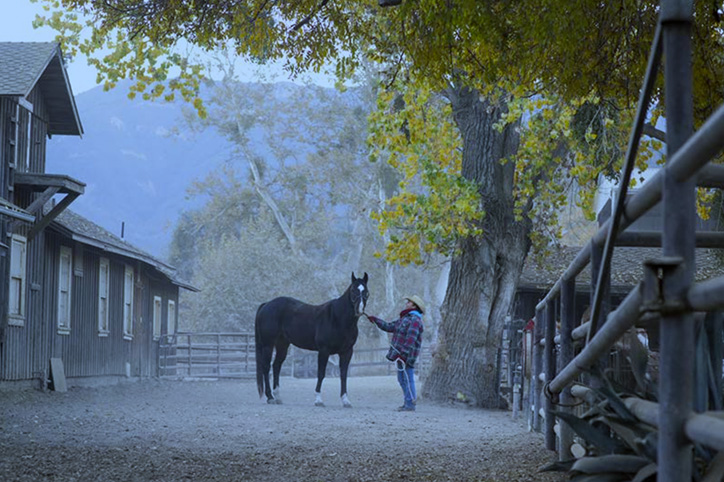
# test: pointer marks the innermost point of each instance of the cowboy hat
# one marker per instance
(417, 300)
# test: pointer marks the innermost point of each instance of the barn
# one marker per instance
(70, 291)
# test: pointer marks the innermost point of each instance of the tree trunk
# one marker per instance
(484, 276)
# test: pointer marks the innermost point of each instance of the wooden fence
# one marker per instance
(233, 355)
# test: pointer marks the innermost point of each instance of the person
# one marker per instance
(405, 346)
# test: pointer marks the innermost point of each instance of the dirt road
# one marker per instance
(209, 430)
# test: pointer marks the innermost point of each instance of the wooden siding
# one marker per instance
(25, 350)
(28, 349)
(166, 291)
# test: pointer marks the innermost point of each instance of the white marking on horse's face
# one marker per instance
(361, 306)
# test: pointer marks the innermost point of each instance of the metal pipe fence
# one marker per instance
(667, 295)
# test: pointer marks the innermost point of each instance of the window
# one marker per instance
(128, 303)
(18, 260)
(156, 317)
(64, 284)
(103, 278)
(171, 318)
(29, 142)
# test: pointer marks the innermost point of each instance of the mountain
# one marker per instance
(137, 159)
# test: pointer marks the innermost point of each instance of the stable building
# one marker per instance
(70, 291)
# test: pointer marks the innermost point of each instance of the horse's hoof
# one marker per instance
(318, 404)
(274, 401)
(347, 405)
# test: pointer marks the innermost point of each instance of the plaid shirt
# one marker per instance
(406, 335)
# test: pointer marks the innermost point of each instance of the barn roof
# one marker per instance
(626, 267)
(23, 65)
(87, 232)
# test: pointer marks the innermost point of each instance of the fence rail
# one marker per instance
(233, 355)
(667, 295)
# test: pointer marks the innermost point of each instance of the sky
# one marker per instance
(16, 25)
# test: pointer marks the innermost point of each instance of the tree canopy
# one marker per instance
(574, 68)
(571, 48)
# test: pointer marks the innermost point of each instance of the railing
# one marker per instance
(667, 294)
(233, 355)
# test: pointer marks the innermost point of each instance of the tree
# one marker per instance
(320, 186)
(482, 55)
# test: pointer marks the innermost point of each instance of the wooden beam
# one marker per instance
(48, 218)
(37, 205)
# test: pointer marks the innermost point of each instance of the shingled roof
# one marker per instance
(23, 65)
(87, 232)
(626, 267)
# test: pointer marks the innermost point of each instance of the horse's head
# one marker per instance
(359, 293)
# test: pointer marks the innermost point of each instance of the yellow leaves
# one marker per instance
(435, 206)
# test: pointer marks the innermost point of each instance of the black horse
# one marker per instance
(329, 328)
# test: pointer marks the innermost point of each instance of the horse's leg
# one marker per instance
(322, 360)
(282, 346)
(266, 357)
(344, 359)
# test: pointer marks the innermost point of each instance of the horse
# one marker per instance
(329, 329)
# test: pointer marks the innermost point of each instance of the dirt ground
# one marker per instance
(221, 430)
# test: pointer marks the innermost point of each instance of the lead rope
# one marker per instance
(400, 366)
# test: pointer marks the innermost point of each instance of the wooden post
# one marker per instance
(188, 337)
(218, 353)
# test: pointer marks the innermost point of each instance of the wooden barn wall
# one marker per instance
(7, 136)
(7, 112)
(24, 352)
(161, 287)
(39, 132)
(83, 351)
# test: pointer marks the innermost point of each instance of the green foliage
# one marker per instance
(436, 205)
(565, 56)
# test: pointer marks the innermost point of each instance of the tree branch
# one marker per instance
(309, 17)
(654, 133)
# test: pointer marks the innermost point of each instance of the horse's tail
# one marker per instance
(259, 363)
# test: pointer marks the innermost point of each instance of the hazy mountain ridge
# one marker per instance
(137, 159)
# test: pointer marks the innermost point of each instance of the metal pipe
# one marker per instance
(652, 239)
(676, 365)
(705, 428)
(550, 370)
(537, 369)
(616, 325)
(711, 176)
(706, 143)
(583, 393)
(707, 295)
(652, 70)
(568, 321)
(580, 331)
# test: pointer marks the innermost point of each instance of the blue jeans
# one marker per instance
(406, 378)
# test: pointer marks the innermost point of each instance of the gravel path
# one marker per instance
(208, 430)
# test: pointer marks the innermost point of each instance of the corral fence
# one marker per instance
(667, 298)
(233, 355)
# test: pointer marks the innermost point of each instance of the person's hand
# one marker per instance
(400, 363)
